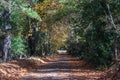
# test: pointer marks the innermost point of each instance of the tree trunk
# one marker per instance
(111, 20)
(115, 28)
(7, 46)
(7, 41)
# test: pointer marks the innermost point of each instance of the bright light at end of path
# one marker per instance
(62, 51)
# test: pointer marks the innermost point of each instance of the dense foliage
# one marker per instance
(88, 28)
(39, 34)
(18, 47)
(95, 23)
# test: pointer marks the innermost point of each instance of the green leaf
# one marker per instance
(31, 13)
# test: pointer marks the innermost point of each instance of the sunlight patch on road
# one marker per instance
(57, 69)
(62, 51)
(35, 58)
(53, 75)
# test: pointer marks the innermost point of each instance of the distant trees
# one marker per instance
(31, 26)
(52, 25)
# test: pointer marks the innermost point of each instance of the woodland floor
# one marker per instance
(55, 67)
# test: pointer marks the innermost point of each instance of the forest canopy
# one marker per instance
(86, 28)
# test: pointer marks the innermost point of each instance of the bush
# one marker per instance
(18, 47)
(75, 48)
(99, 46)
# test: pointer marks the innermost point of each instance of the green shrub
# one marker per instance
(75, 48)
(18, 47)
(99, 45)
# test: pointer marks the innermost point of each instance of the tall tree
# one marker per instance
(15, 12)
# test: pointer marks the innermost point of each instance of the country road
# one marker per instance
(63, 67)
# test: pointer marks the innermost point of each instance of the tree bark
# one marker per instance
(111, 20)
(7, 40)
(115, 28)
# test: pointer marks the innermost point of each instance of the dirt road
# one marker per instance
(63, 67)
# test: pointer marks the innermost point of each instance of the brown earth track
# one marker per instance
(63, 67)
(55, 67)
